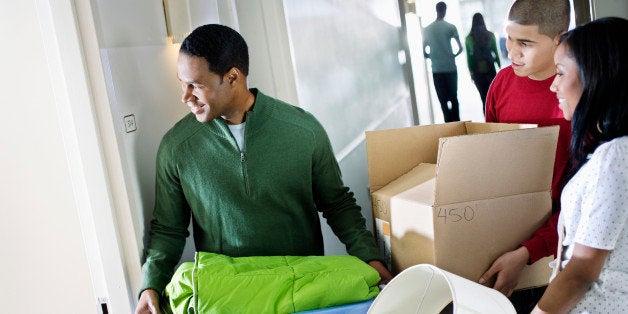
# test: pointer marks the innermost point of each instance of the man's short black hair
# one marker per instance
(441, 7)
(221, 46)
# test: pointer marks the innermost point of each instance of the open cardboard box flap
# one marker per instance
(477, 167)
(392, 153)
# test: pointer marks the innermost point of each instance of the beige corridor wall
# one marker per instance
(43, 266)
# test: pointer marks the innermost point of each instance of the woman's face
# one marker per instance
(567, 84)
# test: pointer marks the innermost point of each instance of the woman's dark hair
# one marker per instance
(478, 29)
(221, 46)
(602, 112)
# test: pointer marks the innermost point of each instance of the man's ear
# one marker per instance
(233, 75)
(557, 38)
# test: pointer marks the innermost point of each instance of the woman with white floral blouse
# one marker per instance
(591, 86)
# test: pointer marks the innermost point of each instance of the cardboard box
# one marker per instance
(458, 195)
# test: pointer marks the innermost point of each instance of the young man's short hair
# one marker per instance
(222, 47)
(551, 16)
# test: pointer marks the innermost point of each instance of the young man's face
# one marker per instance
(567, 84)
(206, 93)
(530, 52)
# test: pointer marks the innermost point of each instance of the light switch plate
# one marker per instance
(129, 123)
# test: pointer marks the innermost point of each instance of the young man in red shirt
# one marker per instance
(520, 93)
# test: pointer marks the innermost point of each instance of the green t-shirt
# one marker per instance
(438, 37)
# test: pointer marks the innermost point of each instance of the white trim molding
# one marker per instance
(83, 144)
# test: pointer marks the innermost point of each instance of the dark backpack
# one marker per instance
(482, 56)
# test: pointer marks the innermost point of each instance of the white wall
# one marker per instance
(44, 265)
(602, 8)
(351, 81)
(139, 69)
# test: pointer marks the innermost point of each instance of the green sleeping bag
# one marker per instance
(217, 283)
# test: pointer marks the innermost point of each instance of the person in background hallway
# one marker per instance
(249, 171)
(520, 94)
(502, 48)
(482, 56)
(437, 36)
(592, 264)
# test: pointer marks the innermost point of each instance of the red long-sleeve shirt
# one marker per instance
(514, 99)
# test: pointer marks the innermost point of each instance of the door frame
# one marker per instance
(71, 46)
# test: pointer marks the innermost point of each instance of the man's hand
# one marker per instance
(148, 303)
(459, 46)
(384, 274)
(508, 268)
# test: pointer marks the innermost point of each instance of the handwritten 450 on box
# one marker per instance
(458, 195)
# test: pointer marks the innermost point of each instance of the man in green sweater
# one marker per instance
(251, 172)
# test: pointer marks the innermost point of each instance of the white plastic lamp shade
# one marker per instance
(428, 289)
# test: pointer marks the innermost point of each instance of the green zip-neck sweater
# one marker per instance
(262, 201)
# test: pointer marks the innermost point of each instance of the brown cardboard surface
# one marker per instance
(535, 275)
(465, 238)
(381, 203)
(479, 128)
(381, 198)
(412, 240)
(471, 235)
(392, 153)
(481, 166)
(500, 180)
